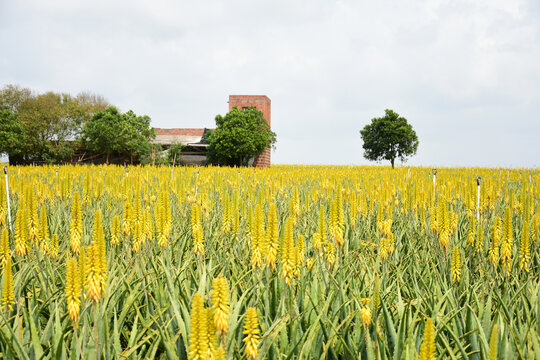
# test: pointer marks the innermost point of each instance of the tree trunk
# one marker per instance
(392, 161)
(107, 159)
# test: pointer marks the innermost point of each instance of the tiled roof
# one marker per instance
(177, 131)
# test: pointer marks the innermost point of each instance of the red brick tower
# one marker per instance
(262, 103)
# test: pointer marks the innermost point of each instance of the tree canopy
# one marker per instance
(174, 154)
(388, 138)
(239, 136)
(110, 132)
(50, 124)
(12, 139)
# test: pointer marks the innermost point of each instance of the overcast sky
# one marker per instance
(466, 74)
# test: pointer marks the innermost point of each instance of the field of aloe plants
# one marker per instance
(291, 262)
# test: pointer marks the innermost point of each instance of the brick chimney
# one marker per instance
(262, 103)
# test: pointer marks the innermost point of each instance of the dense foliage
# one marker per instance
(240, 135)
(110, 132)
(51, 127)
(389, 138)
(12, 137)
(44, 127)
(174, 153)
(288, 262)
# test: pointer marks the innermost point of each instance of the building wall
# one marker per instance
(261, 102)
(173, 139)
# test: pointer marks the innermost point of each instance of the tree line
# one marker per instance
(54, 127)
(58, 127)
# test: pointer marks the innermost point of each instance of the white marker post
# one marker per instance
(478, 198)
(7, 198)
(434, 178)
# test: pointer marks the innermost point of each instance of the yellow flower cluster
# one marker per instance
(73, 289)
(205, 322)
(197, 230)
(251, 334)
(8, 297)
(96, 269)
(427, 349)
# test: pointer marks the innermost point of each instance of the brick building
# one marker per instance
(194, 152)
(262, 103)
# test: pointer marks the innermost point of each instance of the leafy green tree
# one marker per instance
(51, 123)
(46, 125)
(80, 108)
(174, 153)
(87, 104)
(239, 136)
(12, 96)
(136, 134)
(12, 137)
(156, 156)
(100, 133)
(76, 111)
(111, 132)
(388, 138)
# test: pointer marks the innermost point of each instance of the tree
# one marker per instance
(12, 96)
(136, 134)
(78, 110)
(174, 154)
(46, 125)
(239, 136)
(111, 132)
(51, 122)
(89, 103)
(388, 138)
(156, 156)
(12, 138)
